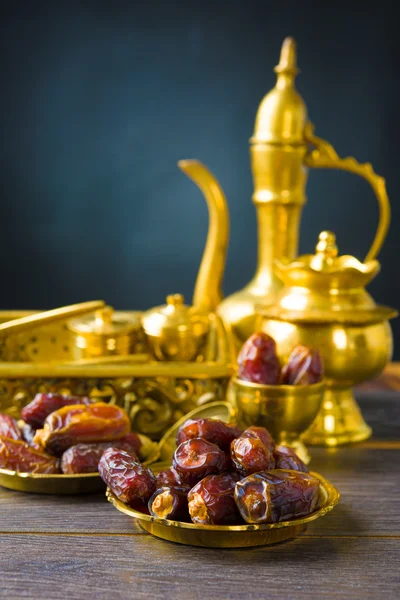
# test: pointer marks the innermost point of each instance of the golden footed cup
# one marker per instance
(287, 411)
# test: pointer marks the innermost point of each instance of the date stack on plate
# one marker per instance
(60, 434)
(220, 475)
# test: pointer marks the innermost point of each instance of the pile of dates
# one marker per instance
(258, 362)
(220, 475)
(64, 434)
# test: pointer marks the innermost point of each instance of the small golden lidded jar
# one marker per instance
(324, 304)
(175, 331)
(105, 333)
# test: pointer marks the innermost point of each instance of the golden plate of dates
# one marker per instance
(61, 484)
(230, 536)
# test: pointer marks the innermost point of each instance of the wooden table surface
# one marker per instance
(81, 547)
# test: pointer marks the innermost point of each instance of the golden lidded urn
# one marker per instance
(324, 304)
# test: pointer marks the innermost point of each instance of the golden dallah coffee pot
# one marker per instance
(324, 304)
(282, 148)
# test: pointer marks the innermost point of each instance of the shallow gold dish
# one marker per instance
(229, 536)
(84, 483)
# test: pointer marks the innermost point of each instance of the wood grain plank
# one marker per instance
(143, 567)
(66, 514)
(368, 480)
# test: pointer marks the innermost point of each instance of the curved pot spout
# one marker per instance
(208, 289)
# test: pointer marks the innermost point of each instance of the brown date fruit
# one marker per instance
(258, 361)
(250, 455)
(170, 502)
(130, 481)
(277, 495)
(196, 458)
(286, 458)
(36, 412)
(211, 500)
(17, 455)
(213, 430)
(9, 427)
(263, 434)
(84, 458)
(168, 478)
(304, 367)
(73, 425)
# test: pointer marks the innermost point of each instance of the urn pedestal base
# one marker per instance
(339, 421)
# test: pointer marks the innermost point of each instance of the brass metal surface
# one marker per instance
(325, 305)
(287, 411)
(230, 536)
(84, 483)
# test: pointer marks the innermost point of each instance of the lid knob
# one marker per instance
(326, 245)
(104, 316)
(175, 300)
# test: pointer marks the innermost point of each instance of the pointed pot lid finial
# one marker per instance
(288, 59)
(282, 114)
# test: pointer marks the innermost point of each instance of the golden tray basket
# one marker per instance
(155, 394)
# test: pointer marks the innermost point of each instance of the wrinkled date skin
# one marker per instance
(130, 481)
(213, 430)
(263, 434)
(17, 455)
(36, 412)
(168, 478)
(73, 425)
(286, 458)
(170, 503)
(197, 458)
(84, 458)
(9, 427)
(258, 361)
(276, 496)
(304, 367)
(211, 501)
(250, 455)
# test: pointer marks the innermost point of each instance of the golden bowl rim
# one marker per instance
(282, 389)
(332, 499)
(48, 476)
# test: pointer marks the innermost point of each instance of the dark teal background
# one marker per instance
(100, 99)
